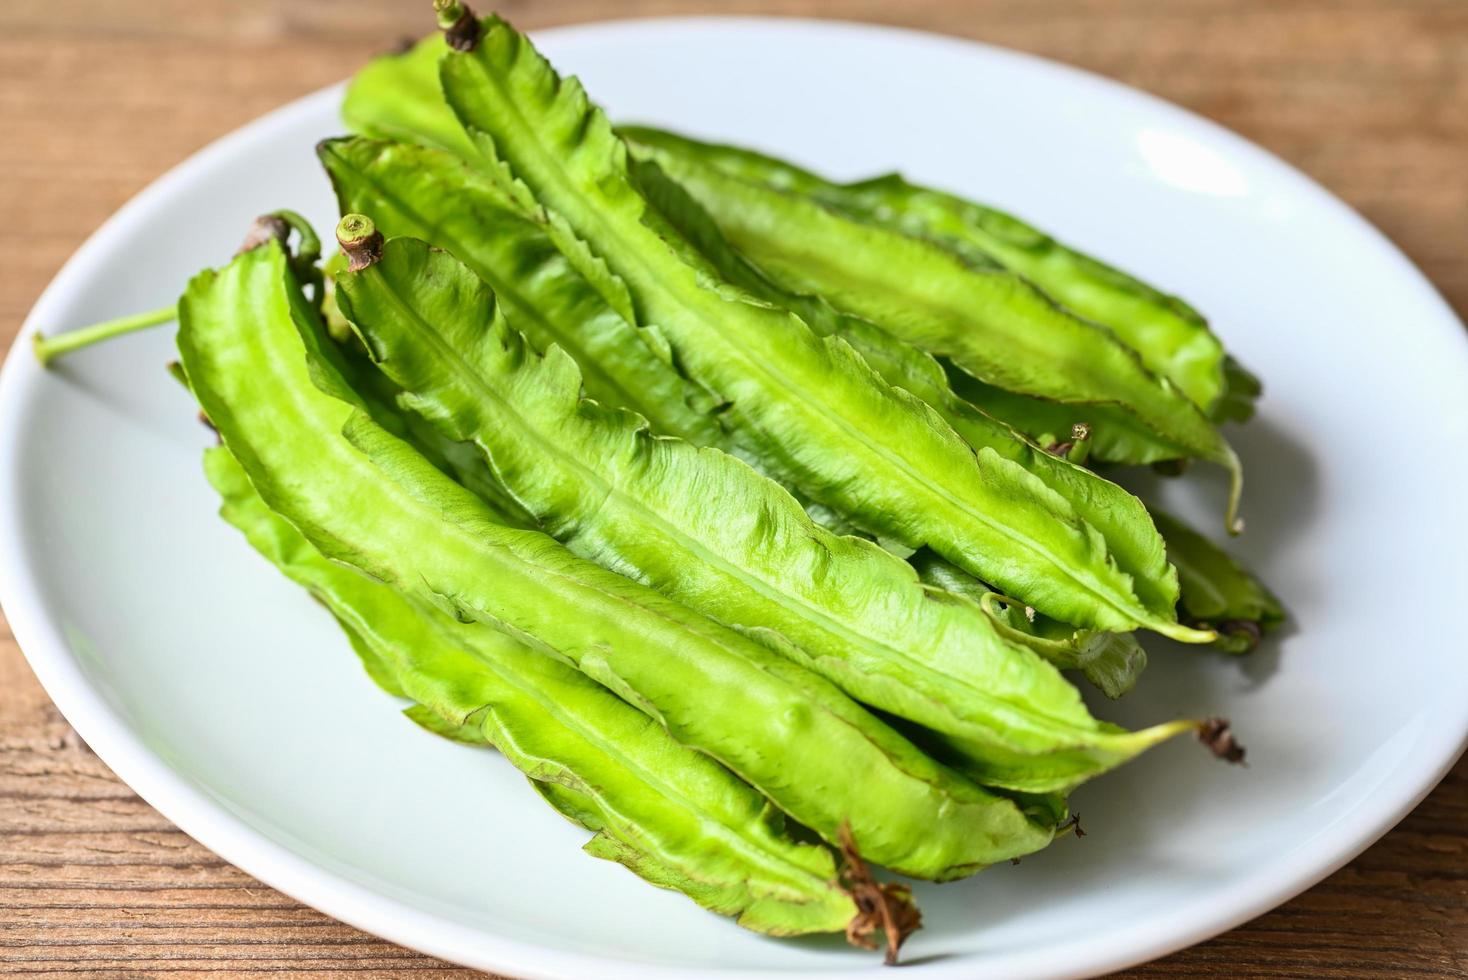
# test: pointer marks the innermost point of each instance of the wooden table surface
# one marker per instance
(98, 97)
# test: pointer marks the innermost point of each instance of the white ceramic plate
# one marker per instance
(229, 701)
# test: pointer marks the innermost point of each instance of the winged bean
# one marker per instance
(1120, 517)
(396, 97)
(1217, 590)
(845, 438)
(705, 529)
(1171, 337)
(990, 322)
(363, 497)
(431, 194)
(669, 813)
(1110, 661)
(427, 193)
(413, 190)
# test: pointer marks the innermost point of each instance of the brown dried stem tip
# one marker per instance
(1244, 629)
(360, 240)
(888, 907)
(267, 228)
(1216, 734)
(459, 25)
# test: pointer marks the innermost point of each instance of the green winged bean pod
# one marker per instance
(423, 192)
(413, 190)
(876, 455)
(430, 192)
(1121, 518)
(1110, 661)
(426, 193)
(1217, 590)
(397, 97)
(670, 814)
(705, 529)
(990, 322)
(1171, 337)
(363, 497)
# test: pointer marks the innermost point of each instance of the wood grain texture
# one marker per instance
(97, 97)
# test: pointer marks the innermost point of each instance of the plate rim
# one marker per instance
(228, 836)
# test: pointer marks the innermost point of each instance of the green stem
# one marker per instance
(49, 348)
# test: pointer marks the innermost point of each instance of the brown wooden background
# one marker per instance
(98, 97)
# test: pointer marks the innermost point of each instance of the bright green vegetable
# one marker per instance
(421, 192)
(397, 97)
(670, 814)
(1217, 590)
(1111, 661)
(703, 528)
(839, 433)
(1171, 337)
(372, 501)
(1120, 517)
(991, 323)
(424, 192)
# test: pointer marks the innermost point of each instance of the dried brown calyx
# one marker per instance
(1219, 737)
(359, 240)
(1077, 447)
(267, 228)
(887, 907)
(1243, 629)
(459, 25)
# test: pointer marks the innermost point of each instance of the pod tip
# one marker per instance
(888, 907)
(1235, 491)
(266, 228)
(1246, 631)
(42, 348)
(1218, 736)
(1186, 633)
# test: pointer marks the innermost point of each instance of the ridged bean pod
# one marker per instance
(990, 322)
(1110, 661)
(397, 97)
(841, 435)
(427, 193)
(364, 497)
(1217, 591)
(1121, 518)
(670, 814)
(1170, 336)
(705, 529)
